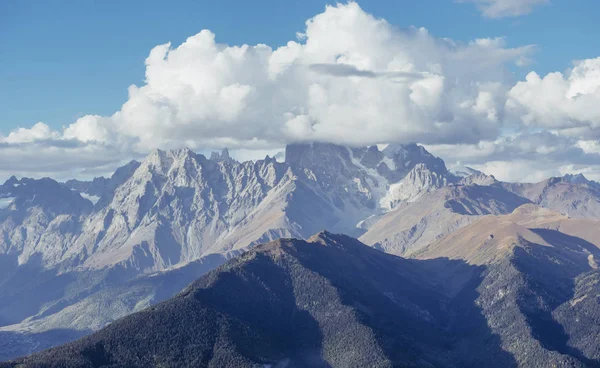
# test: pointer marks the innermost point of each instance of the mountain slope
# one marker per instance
(169, 211)
(411, 226)
(419, 181)
(571, 195)
(88, 303)
(539, 285)
(332, 301)
(101, 189)
(38, 212)
(491, 236)
(288, 302)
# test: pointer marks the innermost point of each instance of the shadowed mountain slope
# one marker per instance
(539, 290)
(331, 301)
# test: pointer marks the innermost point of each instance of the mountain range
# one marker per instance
(522, 297)
(76, 256)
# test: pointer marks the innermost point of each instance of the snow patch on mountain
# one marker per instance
(5, 202)
(389, 163)
(92, 198)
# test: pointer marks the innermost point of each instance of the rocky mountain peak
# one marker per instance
(394, 162)
(328, 239)
(375, 179)
(575, 179)
(405, 151)
(398, 150)
(370, 157)
(308, 155)
(11, 181)
(46, 194)
(323, 237)
(123, 173)
(404, 157)
(223, 156)
(182, 153)
(161, 163)
(158, 160)
(419, 180)
(471, 176)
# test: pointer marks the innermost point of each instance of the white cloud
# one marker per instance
(505, 8)
(533, 171)
(61, 159)
(353, 79)
(38, 132)
(589, 146)
(350, 78)
(40, 151)
(526, 156)
(90, 128)
(568, 102)
(559, 133)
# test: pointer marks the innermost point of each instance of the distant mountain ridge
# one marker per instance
(102, 187)
(67, 247)
(572, 195)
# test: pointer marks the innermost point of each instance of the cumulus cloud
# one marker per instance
(349, 78)
(569, 102)
(91, 128)
(505, 8)
(39, 131)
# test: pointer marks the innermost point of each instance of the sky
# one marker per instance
(510, 87)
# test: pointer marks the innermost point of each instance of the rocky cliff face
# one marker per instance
(417, 182)
(102, 187)
(177, 206)
(39, 219)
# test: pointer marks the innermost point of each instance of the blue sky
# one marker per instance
(63, 59)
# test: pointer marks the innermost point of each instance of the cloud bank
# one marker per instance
(559, 116)
(348, 78)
